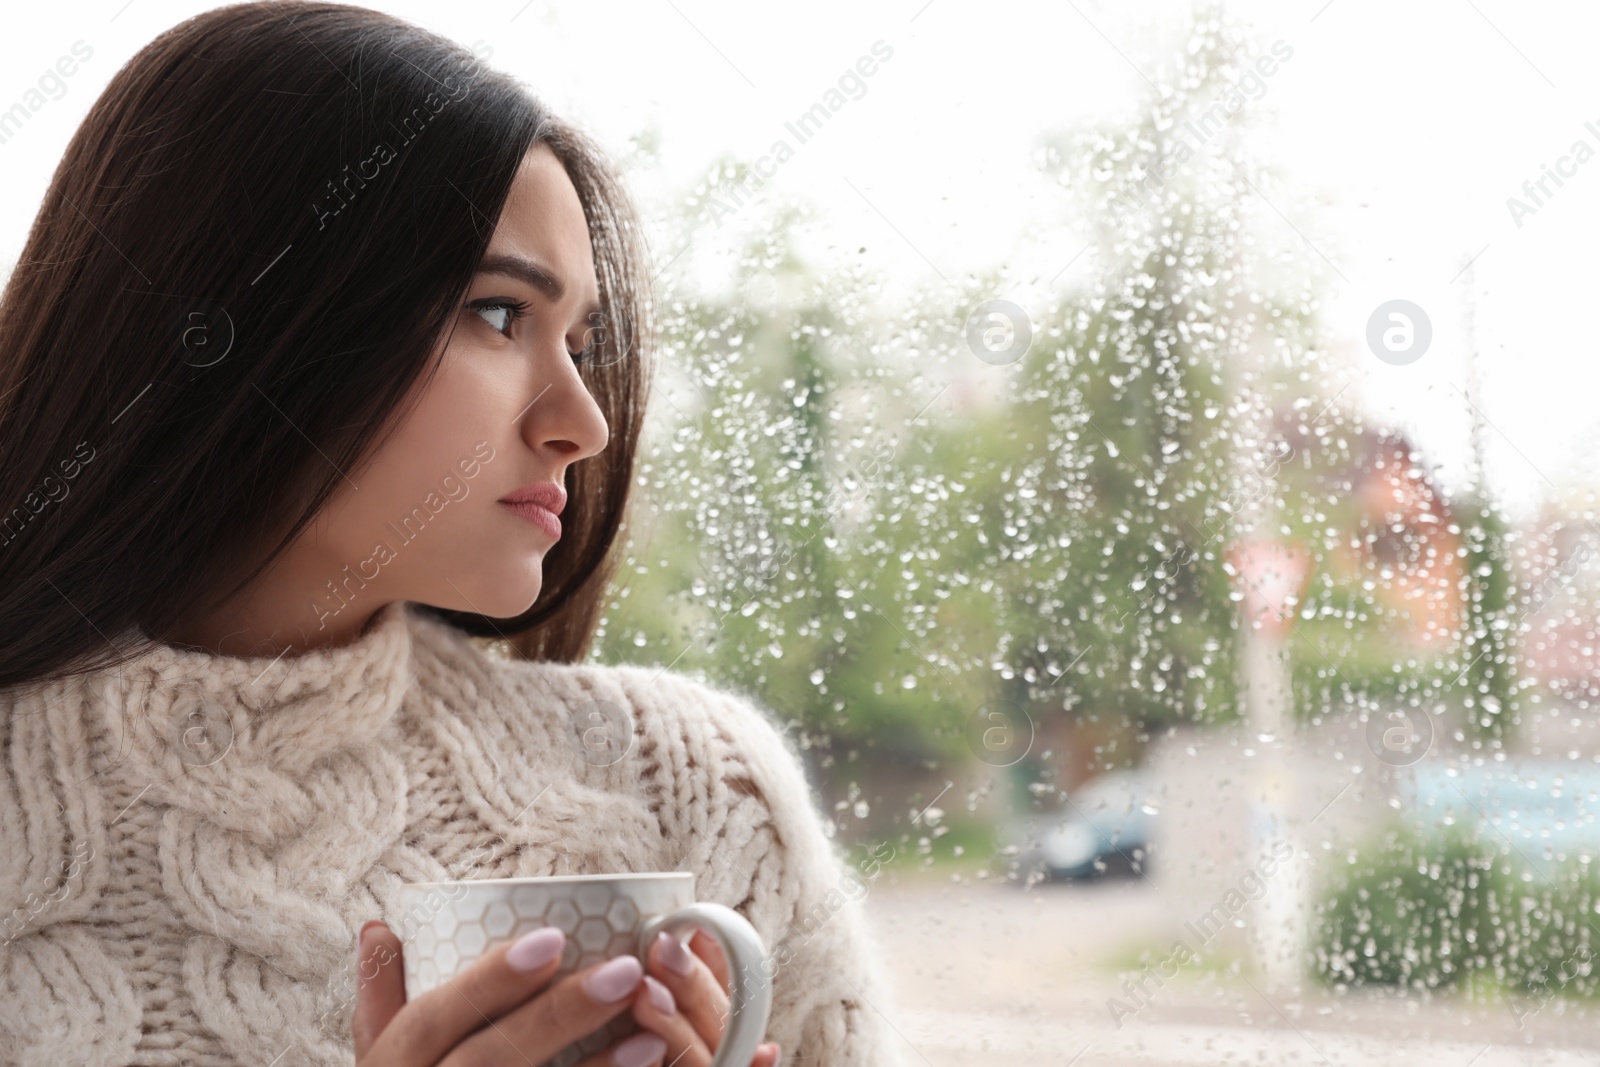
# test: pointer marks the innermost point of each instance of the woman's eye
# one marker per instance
(500, 314)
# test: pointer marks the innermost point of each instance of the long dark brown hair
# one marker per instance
(225, 298)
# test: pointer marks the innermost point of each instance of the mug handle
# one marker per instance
(750, 998)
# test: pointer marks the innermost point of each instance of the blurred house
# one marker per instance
(1398, 536)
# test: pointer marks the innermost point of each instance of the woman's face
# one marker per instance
(422, 518)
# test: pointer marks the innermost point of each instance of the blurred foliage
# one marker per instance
(815, 527)
(1428, 911)
(1490, 676)
(845, 510)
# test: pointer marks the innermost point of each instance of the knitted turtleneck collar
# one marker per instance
(189, 708)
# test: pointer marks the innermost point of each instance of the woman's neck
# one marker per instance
(269, 618)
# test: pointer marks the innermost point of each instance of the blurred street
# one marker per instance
(997, 974)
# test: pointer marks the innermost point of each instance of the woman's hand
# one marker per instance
(684, 998)
(496, 1011)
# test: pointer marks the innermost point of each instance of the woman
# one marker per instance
(327, 354)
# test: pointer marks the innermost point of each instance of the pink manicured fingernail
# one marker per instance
(640, 1050)
(660, 996)
(777, 1055)
(615, 979)
(674, 955)
(532, 951)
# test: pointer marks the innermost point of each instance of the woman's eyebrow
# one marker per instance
(527, 270)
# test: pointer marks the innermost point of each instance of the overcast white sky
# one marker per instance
(1400, 130)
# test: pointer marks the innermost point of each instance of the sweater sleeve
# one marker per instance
(739, 813)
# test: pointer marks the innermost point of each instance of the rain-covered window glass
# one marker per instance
(1142, 455)
(1193, 584)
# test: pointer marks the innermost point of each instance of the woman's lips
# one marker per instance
(540, 516)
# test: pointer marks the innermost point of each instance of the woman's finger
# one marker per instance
(380, 984)
(655, 1009)
(575, 1006)
(699, 996)
(436, 1021)
(709, 949)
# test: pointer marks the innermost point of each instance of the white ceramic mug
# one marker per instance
(447, 926)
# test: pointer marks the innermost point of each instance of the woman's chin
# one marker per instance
(512, 606)
(501, 594)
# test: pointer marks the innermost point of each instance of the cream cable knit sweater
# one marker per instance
(188, 844)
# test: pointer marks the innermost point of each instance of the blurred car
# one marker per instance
(1102, 827)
